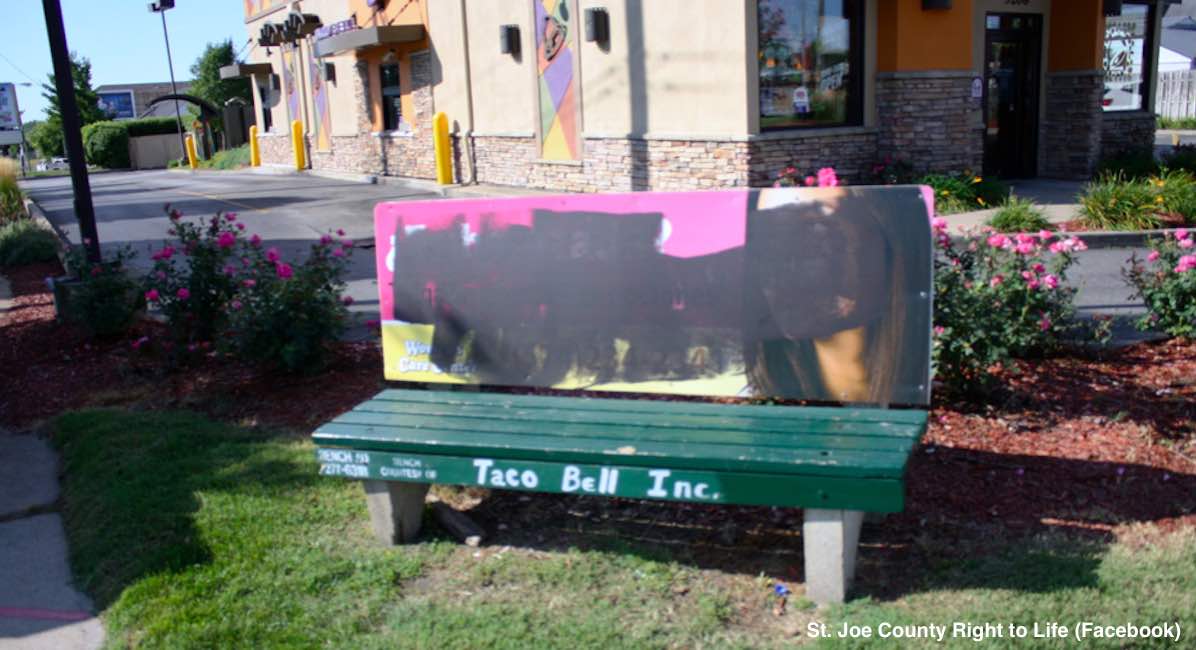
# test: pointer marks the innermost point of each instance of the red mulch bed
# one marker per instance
(1085, 444)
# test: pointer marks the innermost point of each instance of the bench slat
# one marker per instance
(794, 429)
(627, 433)
(655, 407)
(681, 453)
(872, 495)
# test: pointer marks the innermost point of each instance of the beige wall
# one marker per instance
(504, 97)
(450, 92)
(673, 67)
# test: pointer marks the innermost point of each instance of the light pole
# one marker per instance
(160, 7)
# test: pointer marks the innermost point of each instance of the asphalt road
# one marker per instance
(291, 212)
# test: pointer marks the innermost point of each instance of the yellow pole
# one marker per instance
(444, 163)
(192, 158)
(297, 142)
(255, 154)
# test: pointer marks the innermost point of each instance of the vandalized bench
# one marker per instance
(801, 315)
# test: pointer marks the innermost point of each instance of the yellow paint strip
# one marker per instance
(243, 206)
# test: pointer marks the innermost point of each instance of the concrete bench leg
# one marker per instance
(396, 509)
(830, 538)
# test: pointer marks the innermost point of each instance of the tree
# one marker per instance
(207, 83)
(47, 136)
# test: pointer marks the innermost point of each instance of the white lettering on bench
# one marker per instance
(681, 489)
(344, 469)
(508, 477)
(605, 483)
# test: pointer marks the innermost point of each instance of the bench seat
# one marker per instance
(812, 457)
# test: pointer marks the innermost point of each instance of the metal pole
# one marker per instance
(71, 128)
(173, 90)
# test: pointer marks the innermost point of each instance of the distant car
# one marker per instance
(52, 164)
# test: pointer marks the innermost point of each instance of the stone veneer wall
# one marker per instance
(614, 164)
(850, 151)
(1071, 128)
(929, 119)
(1123, 131)
(275, 149)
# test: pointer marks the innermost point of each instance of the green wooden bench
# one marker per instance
(836, 460)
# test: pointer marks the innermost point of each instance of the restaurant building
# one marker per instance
(609, 95)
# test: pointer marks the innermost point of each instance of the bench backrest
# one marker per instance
(821, 294)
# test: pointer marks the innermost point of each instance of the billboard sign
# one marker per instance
(737, 293)
(118, 104)
(10, 114)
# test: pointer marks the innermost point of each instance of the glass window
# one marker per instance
(1128, 45)
(810, 62)
(392, 102)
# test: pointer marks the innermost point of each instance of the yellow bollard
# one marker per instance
(297, 142)
(440, 138)
(255, 154)
(192, 157)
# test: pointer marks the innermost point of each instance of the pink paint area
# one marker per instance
(928, 199)
(694, 223)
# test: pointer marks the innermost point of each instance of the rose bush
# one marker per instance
(285, 315)
(1166, 282)
(221, 290)
(997, 297)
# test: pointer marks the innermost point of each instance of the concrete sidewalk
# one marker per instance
(1056, 199)
(39, 607)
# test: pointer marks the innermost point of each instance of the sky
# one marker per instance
(121, 37)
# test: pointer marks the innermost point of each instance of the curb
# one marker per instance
(38, 215)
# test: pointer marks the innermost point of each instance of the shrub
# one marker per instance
(1167, 285)
(893, 172)
(24, 242)
(1019, 215)
(195, 277)
(12, 200)
(286, 316)
(151, 126)
(1181, 157)
(1115, 202)
(106, 144)
(792, 177)
(1175, 194)
(228, 159)
(1131, 163)
(1185, 123)
(964, 192)
(106, 300)
(9, 168)
(997, 298)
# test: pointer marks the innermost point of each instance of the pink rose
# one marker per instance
(1039, 268)
(827, 177)
(998, 241)
(284, 270)
(226, 240)
(255, 241)
(1045, 235)
(1181, 233)
(1025, 248)
(1154, 255)
(347, 300)
(996, 281)
(325, 240)
(1051, 281)
(1186, 243)
(183, 293)
(231, 216)
(152, 295)
(337, 252)
(340, 232)
(938, 223)
(272, 255)
(1045, 323)
(236, 305)
(240, 226)
(250, 283)
(810, 181)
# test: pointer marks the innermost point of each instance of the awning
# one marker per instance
(359, 39)
(238, 70)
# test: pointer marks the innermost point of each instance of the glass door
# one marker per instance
(1012, 63)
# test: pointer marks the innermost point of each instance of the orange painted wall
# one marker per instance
(909, 38)
(1077, 38)
(396, 12)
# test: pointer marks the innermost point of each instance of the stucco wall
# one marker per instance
(910, 38)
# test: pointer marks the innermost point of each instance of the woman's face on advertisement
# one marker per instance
(811, 266)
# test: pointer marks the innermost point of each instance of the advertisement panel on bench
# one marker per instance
(815, 294)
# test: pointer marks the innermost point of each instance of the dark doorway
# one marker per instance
(1012, 64)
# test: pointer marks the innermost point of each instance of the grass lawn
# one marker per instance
(193, 533)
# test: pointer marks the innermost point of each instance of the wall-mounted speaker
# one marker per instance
(508, 39)
(598, 26)
(935, 5)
